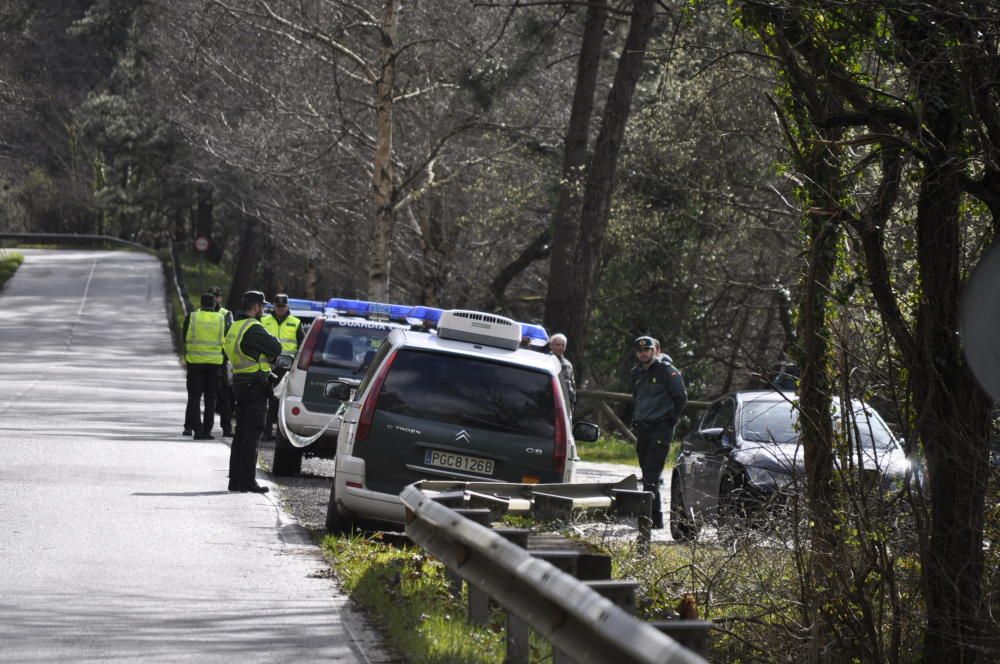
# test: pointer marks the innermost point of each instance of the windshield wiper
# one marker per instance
(482, 421)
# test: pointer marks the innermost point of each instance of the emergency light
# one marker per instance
(307, 305)
(418, 315)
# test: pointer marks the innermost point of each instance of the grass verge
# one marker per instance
(608, 450)
(9, 262)
(406, 593)
(616, 450)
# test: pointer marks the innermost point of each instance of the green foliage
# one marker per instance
(406, 591)
(9, 262)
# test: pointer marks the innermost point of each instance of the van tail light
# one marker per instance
(371, 401)
(561, 442)
(309, 345)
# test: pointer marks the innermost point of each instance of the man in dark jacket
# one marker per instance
(659, 397)
(249, 347)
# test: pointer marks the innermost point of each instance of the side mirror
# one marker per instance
(586, 432)
(713, 435)
(339, 390)
(283, 362)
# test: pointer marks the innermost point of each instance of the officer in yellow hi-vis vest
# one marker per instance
(204, 331)
(288, 330)
(224, 397)
(249, 347)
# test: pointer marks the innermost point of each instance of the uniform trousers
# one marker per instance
(652, 446)
(251, 410)
(201, 382)
(224, 402)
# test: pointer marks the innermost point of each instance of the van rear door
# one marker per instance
(446, 416)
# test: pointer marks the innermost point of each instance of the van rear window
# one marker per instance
(345, 346)
(470, 392)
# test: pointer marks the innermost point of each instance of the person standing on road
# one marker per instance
(249, 347)
(288, 330)
(557, 344)
(659, 397)
(203, 331)
(224, 396)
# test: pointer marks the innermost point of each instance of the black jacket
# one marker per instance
(658, 392)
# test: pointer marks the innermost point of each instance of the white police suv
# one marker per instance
(339, 345)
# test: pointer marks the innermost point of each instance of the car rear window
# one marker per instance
(344, 346)
(470, 392)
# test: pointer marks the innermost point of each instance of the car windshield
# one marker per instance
(470, 392)
(777, 421)
(345, 346)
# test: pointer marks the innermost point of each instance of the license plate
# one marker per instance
(458, 462)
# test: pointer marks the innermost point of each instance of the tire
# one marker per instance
(681, 527)
(336, 523)
(287, 457)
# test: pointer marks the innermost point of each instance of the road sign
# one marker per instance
(980, 320)
(201, 243)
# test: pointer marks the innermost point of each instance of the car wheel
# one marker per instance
(336, 523)
(287, 457)
(681, 526)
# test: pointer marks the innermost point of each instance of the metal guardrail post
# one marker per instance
(640, 505)
(570, 615)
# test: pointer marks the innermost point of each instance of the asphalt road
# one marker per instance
(120, 540)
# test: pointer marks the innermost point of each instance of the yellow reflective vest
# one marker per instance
(205, 333)
(285, 332)
(242, 364)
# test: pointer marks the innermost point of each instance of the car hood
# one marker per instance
(788, 458)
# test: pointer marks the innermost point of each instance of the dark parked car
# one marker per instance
(745, 453)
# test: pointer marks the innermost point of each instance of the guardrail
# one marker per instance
(578, 617)
(602, 397)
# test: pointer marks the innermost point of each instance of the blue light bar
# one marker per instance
(310, 305)
(415, 315)
(534, 332)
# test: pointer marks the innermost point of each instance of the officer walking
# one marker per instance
(224, 395)
(557, 344)
(249, 347)
(288, 330)
(659, 397)
(204, 331)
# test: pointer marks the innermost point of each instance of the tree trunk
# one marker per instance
(953, 412)
(953, 425)
(537, 249)
(247, 256)
(587, 258)
(383, 187)
(564, 220)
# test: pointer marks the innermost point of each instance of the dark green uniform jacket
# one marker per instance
(658, 392)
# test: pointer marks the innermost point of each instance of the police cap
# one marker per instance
(644, 342)
(215, 290)
(250, 298)
(280, 298)
(207, 300)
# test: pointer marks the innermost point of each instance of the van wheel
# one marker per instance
(681, 527)
(287, 457)
(336, 523)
